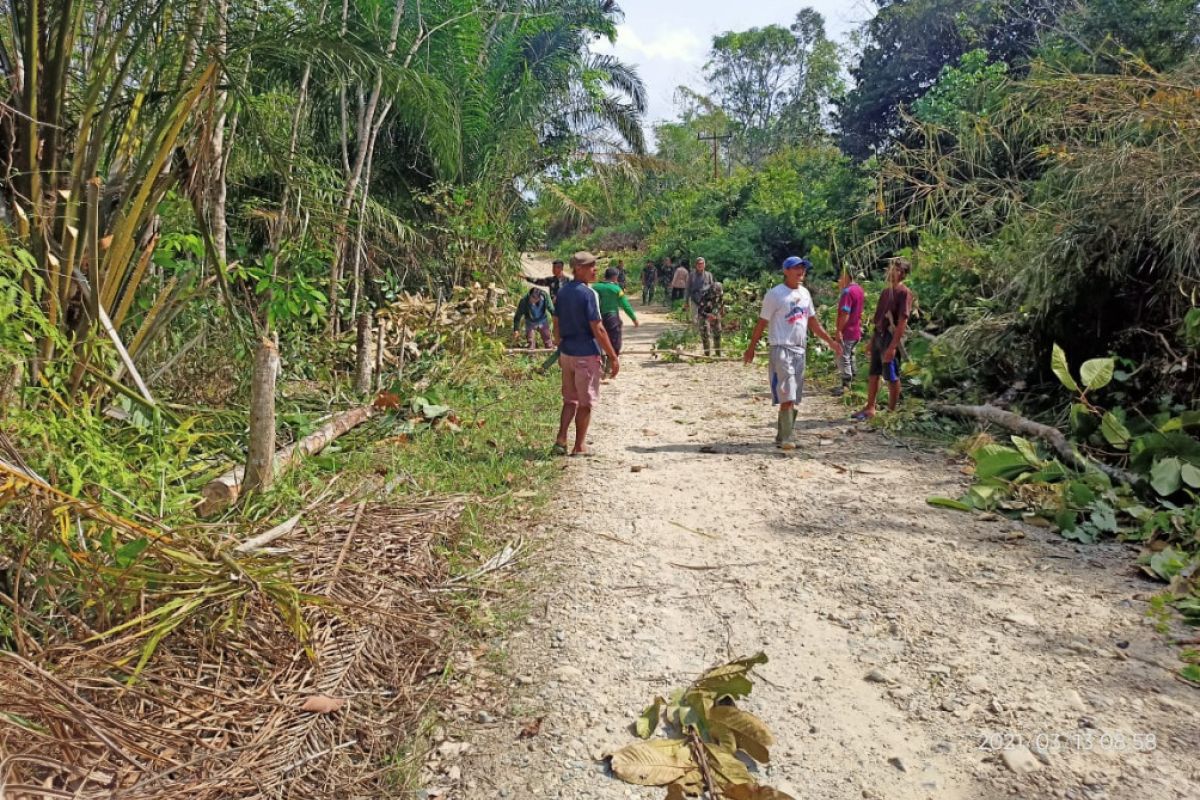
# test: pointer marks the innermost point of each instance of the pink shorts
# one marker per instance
(581, 379)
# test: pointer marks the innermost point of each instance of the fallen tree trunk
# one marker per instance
(1050, 435)
(222, 492)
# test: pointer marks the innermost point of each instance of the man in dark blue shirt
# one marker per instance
(581, 337)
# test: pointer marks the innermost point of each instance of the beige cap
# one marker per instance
(582, 259)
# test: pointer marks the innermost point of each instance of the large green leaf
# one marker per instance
(1097, 373)
(653, 763)
(947, 502)
(1058, 365)
(1165, 476)
(1027, 449)
(1190, 474)
(998, 461)
(1114, 431)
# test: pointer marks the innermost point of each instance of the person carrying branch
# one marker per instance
(552, 284)
(788, 312)
(581, 338)
(534, 310)
(887, 337)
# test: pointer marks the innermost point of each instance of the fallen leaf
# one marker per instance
(323, 704)
(531, 729)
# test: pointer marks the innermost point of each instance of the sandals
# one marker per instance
(558, 449)
(861, 416)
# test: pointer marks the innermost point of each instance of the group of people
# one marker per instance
(703, 294)
(587, 331)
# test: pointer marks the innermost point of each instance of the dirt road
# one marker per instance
(909, 646)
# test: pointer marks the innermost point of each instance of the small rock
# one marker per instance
(1074, 701)
(944, 747)
(525, 680)
(484, 717)
(938, 669)
(453, 749)
(900, 693)
(636, 468)
(896, 762)
(1020, 760)
(877, 676)
(949, 704)
(976, 683)
(454, 774)
(568, 673)
(1022, 619)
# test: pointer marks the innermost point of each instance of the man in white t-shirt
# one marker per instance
(788, 312)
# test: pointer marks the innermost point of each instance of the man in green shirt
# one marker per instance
(612, 302)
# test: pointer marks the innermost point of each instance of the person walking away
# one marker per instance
(851, 300)
(612, 302)
(887, 337)
(679, 284)
(666, 271)
(534, 310)
(552, 284)
(649, 279)
(581, 339)
(709, 316)
(621, 276)
(788, 313)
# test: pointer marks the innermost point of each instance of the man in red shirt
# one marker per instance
(849, 328)
(887, 337)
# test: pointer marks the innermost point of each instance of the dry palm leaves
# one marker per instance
(701, 759)
(230, 704)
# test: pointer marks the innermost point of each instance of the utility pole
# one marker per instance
(715, 138)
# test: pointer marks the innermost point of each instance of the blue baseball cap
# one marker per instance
(791, 262)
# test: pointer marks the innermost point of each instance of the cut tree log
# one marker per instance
(260, 456)
(363, 363)
(1052, 436)
(223, 491)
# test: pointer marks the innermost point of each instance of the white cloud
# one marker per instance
(682, 45)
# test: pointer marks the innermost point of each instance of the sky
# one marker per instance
(668, 39)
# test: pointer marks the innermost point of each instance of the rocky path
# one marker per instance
(914, 652)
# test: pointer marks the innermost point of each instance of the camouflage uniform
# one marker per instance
(709, 312)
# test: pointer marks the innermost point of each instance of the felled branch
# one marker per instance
(223, 491)
(1050, 435)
